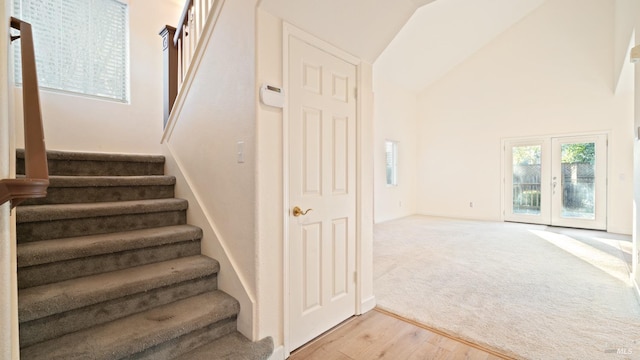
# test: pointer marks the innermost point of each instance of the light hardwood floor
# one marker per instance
(381, 335)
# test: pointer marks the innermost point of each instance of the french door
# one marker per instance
(559, 181)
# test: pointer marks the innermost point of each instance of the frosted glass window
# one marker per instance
(391, 150)
(81, 45)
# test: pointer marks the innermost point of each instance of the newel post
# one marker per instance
(170, 58)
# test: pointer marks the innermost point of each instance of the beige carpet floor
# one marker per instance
(527, 291)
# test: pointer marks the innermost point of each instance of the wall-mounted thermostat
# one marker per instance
(272, 96)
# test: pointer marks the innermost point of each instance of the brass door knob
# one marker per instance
(297, 211)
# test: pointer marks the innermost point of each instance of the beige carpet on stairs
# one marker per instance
(527, 291)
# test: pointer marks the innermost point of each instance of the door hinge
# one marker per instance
(355, 93)
(355, 276)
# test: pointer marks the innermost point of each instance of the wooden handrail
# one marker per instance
(179, 45)
(36, 180)
(184, 20)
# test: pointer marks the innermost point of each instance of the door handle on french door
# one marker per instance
(297, 211)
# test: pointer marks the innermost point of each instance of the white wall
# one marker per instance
(395, 118)
(364, 266)
(550, 74)
(636, 149)
(270, 209)
(624, 24)
(215, 112)
(88, 124)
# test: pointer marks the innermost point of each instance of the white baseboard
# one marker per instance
(367, 304)
(278, 353)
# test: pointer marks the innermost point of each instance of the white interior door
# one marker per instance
(322, 181)
(559, 181)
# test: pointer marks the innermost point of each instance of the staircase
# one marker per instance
(109, 269)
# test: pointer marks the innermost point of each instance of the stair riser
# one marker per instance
(71, 269)
(53, 326)
(44, 230)
(74, 195)
(98, 168)
(182, 345)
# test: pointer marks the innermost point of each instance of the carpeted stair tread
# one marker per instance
(51, 327)
(48, 251)
(232, 347)
(85, 181)
(87, 163)
(91, 189)
(40, 301)
(35, 213)
(96, 156)
(136, 333)
(64, 181)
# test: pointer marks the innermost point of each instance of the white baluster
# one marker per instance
(190, 49)
(207, 7)
(198, 15)
(191, 32)
(180, 72)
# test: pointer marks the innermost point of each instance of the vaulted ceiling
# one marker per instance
(443, 34)
(361, 27)
(411, 42)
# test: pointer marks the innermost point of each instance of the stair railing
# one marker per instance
(179, 46)
(36, 180)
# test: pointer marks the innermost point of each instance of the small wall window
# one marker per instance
(80, 46)
(391, 150)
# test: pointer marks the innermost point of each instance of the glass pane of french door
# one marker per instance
(579, 182)
(525, 172)
(526, 176)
